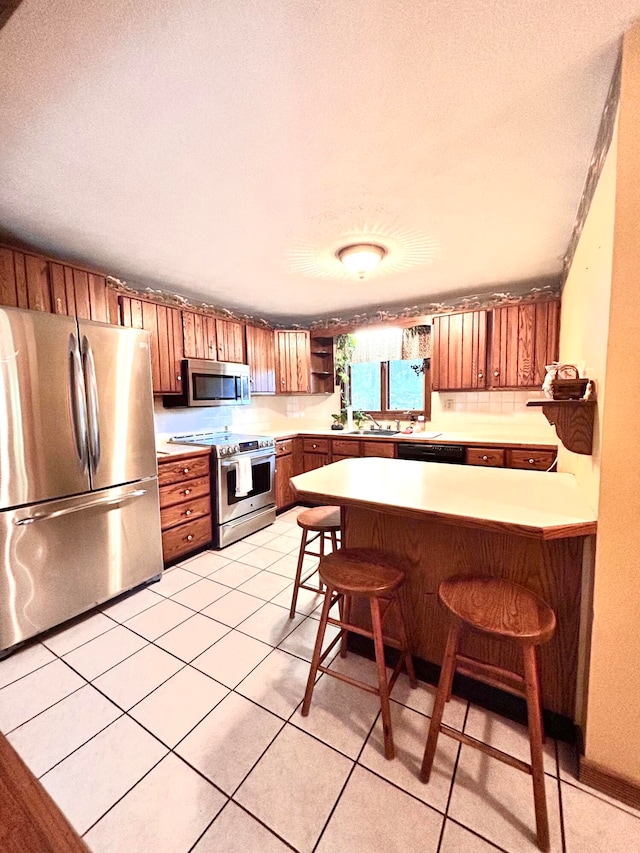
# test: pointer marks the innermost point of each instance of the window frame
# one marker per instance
(384, 394)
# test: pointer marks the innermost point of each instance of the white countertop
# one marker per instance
(502, 436)
(531, 503)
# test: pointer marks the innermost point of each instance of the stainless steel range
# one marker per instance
(243, 475)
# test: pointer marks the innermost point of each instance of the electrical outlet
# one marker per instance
(447, 404)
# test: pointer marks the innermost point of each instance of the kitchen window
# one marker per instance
(391, 387)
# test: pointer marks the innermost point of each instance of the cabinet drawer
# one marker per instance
(186, 490)
(315, 445)
(538, 460)
(344, 447)
(379, 448)
(485, 456)
(186, 511)
(184, 469)
(185, 538)
(284, 447)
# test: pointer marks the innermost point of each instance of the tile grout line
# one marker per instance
(563, 838)
(453, 779)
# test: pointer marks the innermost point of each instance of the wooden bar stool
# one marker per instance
(508, 612)
(323, 521)
(378, 577)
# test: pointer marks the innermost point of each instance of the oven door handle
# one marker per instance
(231, 463)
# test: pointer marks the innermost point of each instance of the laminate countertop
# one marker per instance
(536, 504)
(499, 436)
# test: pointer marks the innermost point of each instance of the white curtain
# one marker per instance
(392, 344)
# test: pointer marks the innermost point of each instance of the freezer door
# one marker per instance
(62, 558)
(117, 373)
(43, 450)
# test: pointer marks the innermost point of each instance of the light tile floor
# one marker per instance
(169, 721)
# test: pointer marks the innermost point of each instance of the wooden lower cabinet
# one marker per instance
(185, 504)
(284, 471)
(489, 456)
(316, 452)
(535, 460)
(386, 449)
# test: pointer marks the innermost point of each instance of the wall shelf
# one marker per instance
(573, 420)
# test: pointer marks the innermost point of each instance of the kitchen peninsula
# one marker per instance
(530, 527)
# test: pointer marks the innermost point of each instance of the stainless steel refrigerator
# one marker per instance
(79, 506)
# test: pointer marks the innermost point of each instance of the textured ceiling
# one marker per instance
(224, 149)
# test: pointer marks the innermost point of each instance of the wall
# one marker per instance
(613, 715)
(584, 330)
(264, 414)
(491, 412)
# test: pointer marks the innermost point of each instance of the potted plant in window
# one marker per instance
(339, 419)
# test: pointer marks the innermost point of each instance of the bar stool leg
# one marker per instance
(334, 540)
(317, 652)
(404, 640)
(345, 616)
(532, 688)
(446, 677)
(383, 686)
(296, 583)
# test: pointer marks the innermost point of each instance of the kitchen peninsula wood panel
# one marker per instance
(449, 519)
(261, 357)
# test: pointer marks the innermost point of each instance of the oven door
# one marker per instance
(228, 506)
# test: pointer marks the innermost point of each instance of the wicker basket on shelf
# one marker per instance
(569, 389)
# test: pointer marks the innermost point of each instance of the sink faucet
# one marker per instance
(372, 419)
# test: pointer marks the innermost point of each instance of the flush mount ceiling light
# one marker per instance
(361, 258)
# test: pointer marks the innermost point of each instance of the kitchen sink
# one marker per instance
(373, 432)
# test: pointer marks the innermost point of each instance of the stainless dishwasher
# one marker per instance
(423, 452)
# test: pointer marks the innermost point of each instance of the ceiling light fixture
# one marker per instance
(361, 258)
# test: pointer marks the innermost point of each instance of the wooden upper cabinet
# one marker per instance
(261, 356)
(200, 339)
(459, 352)
(524, 338)
(81, 294)
(292, 362)
(24, 281)
(230, 337)
(164, 325)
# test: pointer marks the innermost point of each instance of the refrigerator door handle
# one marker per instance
(78, 402)
(99, 502)
(93, 413)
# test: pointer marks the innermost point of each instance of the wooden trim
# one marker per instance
(607, 782)
(7, 8)
(29, 819)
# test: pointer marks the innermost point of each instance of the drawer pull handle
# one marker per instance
(532, 462)
(187, 492)
(185, 470)
(190, 537)
(485, 458)
(188, 513)
(314, 446)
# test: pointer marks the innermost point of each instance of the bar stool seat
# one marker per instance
(507, 612)
(378, 576)
(323, 521)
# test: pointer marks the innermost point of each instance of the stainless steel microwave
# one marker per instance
(212, 383)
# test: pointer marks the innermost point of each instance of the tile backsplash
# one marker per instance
(263, 413)
(502, 407)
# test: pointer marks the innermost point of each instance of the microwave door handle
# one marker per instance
(78, 403)
(93, 412)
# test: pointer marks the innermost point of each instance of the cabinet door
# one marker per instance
(164, 325)
(199, 334)
(524, 338)
(77, 293)
(292, 362)
(261, 356)
(459, 351)
(230, 337)
(24, 281)
(310, 461)
(284, 472)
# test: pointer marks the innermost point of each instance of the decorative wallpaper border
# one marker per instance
(600, 150)
(475, 302)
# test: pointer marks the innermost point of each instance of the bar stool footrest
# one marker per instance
(488, 750)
